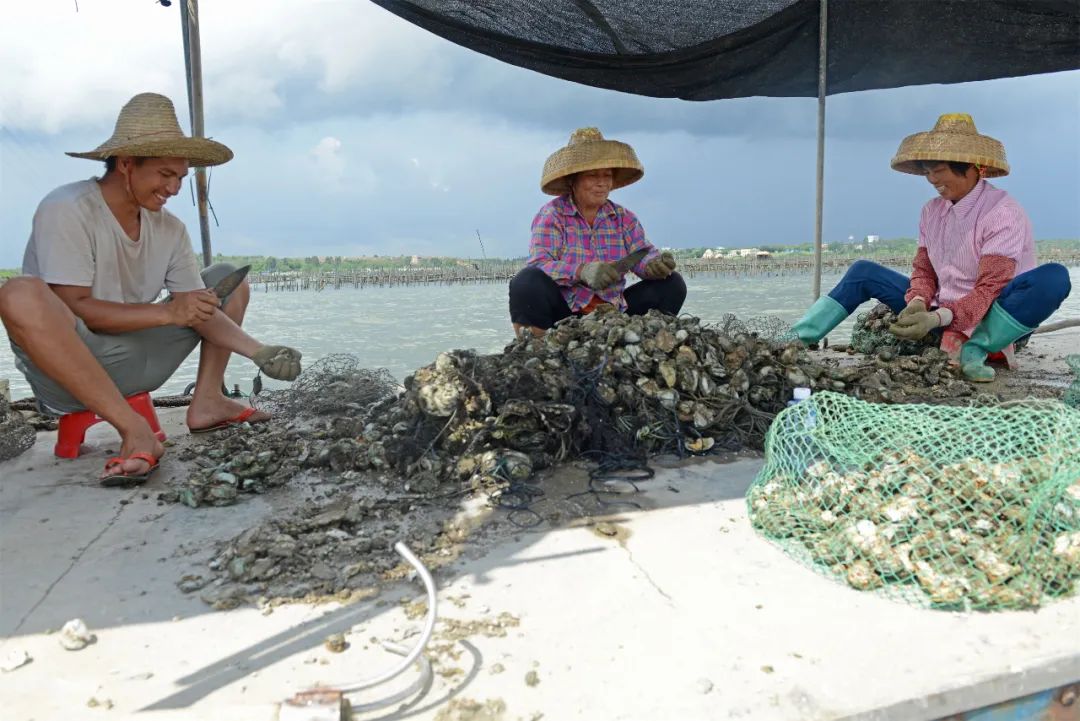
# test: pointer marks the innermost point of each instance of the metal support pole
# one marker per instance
(823, 45)
(189, 19)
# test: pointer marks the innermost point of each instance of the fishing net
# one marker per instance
(16, 435)
(946, 507)
(334, 385)
(1072, 395)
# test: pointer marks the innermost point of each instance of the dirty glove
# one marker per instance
(598, 275)
(278, 361)
(916, 324)
(660, 267)
(917, 305)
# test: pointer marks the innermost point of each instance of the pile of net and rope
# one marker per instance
(387, 463)
(971, 508)
(608, 386)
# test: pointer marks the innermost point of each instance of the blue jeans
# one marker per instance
(1030, 297)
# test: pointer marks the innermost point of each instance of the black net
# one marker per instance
(699, 50)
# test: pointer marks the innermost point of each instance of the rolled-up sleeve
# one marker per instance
(548, 250)
(61, 247)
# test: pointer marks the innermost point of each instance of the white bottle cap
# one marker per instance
(802, 393)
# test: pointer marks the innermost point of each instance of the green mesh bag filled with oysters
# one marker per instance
(1072, 394)
(946, 507)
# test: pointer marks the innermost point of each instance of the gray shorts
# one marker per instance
(137, 362)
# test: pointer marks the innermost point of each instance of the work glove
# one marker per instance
(917, 305)
(660, 267)
(280, 362)
(915, 325)
(598, 275)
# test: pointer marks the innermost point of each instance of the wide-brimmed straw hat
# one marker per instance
(953, 139)
(587, 150)
(147, 127)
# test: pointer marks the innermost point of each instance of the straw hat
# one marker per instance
(147, 127)
(953, 139)
(587, 150)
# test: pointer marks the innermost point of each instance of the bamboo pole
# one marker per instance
(189, 20)
(823, 47)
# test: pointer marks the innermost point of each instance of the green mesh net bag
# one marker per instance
(1072, 394)
(945, 507)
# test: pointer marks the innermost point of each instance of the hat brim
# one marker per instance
(931, 146)
(199, 152)
(594, 155)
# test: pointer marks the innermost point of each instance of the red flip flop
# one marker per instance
(239, 418)
(121, 479)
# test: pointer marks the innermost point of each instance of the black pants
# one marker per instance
(535, 299)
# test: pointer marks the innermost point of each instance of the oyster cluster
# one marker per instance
(971, 534)
(871, 334)
(16, 434)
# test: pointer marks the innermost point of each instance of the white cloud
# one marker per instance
(65, 69)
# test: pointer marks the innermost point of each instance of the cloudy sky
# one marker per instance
(356, 133)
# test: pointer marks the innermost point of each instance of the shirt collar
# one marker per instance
(567, 206)
(966, 204)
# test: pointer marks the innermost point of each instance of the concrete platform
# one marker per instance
(684, 613)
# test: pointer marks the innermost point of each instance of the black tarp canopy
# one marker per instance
(711, 49)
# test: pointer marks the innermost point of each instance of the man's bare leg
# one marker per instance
(44, 327)
(208, 405)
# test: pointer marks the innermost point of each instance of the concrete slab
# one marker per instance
(683, 613)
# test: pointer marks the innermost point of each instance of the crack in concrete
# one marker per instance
(74, 560)
(649, 578)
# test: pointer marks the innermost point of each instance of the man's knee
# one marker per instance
(23, 295)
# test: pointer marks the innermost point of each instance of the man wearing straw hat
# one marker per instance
(82, 319)
(579, 238)
(974, 280)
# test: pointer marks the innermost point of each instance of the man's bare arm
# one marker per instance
(103, 316)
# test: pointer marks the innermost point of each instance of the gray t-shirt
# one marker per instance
(76, 240)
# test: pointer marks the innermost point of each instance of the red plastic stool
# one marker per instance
(71, 431)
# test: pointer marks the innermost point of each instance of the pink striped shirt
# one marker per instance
(562, 241)
(956, 236)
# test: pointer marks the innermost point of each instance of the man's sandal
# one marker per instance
(124, 480)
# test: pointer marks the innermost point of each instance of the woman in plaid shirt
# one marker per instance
(579, 237)
(975, 280)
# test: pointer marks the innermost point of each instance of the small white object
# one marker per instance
(703, 686)
(14, 659)
(75, 636)
(801, 393)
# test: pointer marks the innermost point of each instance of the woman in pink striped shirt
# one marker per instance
(579, 238)
(974, 280)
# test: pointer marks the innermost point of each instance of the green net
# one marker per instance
(946, 507)
(1072, 395)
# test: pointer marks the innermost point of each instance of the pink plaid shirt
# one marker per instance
(961, 237)
(562, 242)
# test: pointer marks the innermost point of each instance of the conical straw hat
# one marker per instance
(953, 139)
(147, 128)
(587, 150)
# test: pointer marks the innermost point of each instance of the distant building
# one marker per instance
(871, 239)
(708, 254)
(762, 254)
(415, 260)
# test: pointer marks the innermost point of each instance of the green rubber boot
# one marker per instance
(824, 315)
(997, 330)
